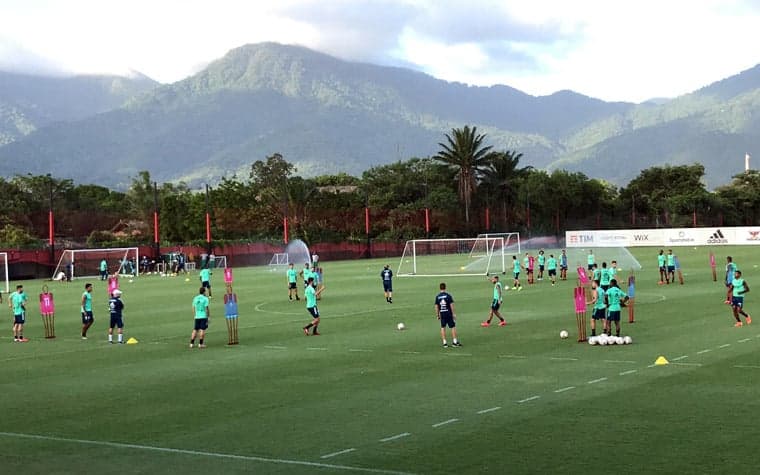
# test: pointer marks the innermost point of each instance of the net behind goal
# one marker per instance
(453, 257)
(86, 262)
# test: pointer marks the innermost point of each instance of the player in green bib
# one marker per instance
(205, 276)
(87, 317)
(292, 282)
(311, 307)
(671, 261)
(516, 273)
(541, 264)
(551, 267)
(17, 302)
(201, 315)
(596, 273)
(615, 297)
(604, 277)
(590, 259)
(495, 304)
(307, 274)
(738, 288)
(661, 266)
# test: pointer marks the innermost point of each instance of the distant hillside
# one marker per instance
(327, 115)
(29, 102)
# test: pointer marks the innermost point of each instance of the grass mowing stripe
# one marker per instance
(558, 358)
(339, 452)
(620, 361)
(743, 340)
(594, 381)
(439, 424)
(395, 437)
(701, 352)
(747, 366)
(686, 364)
(683, 357)
(513, 356)
(630, 371)
(200, 453)
(725, 346)
(528, 399)
(490, 409)
(562, 390)
(271, 347)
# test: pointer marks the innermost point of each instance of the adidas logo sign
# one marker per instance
(717, 238)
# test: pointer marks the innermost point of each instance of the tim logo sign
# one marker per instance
(581, 238)
(717, 238)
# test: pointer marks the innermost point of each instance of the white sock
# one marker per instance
(444, 342)
(110, 337)
(121, 337)
(456, 341)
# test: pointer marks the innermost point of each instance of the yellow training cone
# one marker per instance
(133, 341)
(660, 361)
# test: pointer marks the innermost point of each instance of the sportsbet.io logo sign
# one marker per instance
(717, 238)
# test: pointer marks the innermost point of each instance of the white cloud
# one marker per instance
(621, 50)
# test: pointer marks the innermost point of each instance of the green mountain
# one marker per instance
(29, 102)
(327, 115)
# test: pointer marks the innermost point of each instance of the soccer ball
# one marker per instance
(401, 326)
(619, 340)
(187, 279)
(627, 340)
(563, 334)
(130, 281)
(602, 339)
(593, 340)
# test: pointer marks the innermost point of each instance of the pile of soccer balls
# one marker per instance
(604, 339)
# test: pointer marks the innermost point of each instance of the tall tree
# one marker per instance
(500, 180)
(464, 151)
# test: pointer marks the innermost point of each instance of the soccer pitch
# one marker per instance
(366, 398)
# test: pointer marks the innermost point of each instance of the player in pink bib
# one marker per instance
(47, 310)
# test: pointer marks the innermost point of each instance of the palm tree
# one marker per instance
(501, 178)
(464, 151)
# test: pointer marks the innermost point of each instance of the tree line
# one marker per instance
(467, 187)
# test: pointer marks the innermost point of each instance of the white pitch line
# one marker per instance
(490, 409)
(359, 350)
(630, 371)
(725, 346)
(340, 452)
(439, 424)
(747, 366)
(701, 352)
(528, 399)
(199, 453)
(458, 354)
(410, 352)
(743, 340)
(686, 364)
(594, 381)
(395, 437)
(680, 358)
(560, 358)
(620, 361)
(272, 347)
(562, 390)
(312, 348)
(513, 356)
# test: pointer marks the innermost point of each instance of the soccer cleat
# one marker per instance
(749, 320)
(485, 324)
(445, 345)
(727, 302)
(456, 344)
(738, 324)
(110, 341)
(315, 334)
(503, 323)
(191, 345)
(84, 337)
(306, 331)
(202, 346)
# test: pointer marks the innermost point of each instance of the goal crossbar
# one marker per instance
(86, 262)
(450, 257)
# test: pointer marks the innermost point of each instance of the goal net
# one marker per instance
(510, 244)
(86, 262)
(453, 257)
(578, 257)
(279, 259)
(4, 259)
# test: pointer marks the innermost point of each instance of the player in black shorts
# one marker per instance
(444, 309)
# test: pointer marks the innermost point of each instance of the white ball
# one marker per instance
(130, 281)
(593, 340)
(627, 340)
(619, 340)
(563, 334)
(400, 326)
(602, 340)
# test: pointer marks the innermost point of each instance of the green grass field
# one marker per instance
(366, 398)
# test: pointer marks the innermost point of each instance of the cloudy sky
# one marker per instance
(611, 49)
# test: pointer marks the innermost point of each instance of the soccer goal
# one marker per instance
(453, 257)
(279, 259)
(86, 262)
(4, 259)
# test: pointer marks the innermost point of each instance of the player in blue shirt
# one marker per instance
(387, 276)
(116, 307)
(444, 309)
(563, 265)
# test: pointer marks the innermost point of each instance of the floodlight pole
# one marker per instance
(156, 238)
(51, 222)
(366, 223)
(208, 223)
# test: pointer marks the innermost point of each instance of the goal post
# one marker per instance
(279, 259)
(452, 257)
(86, 262)
(511, 242)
